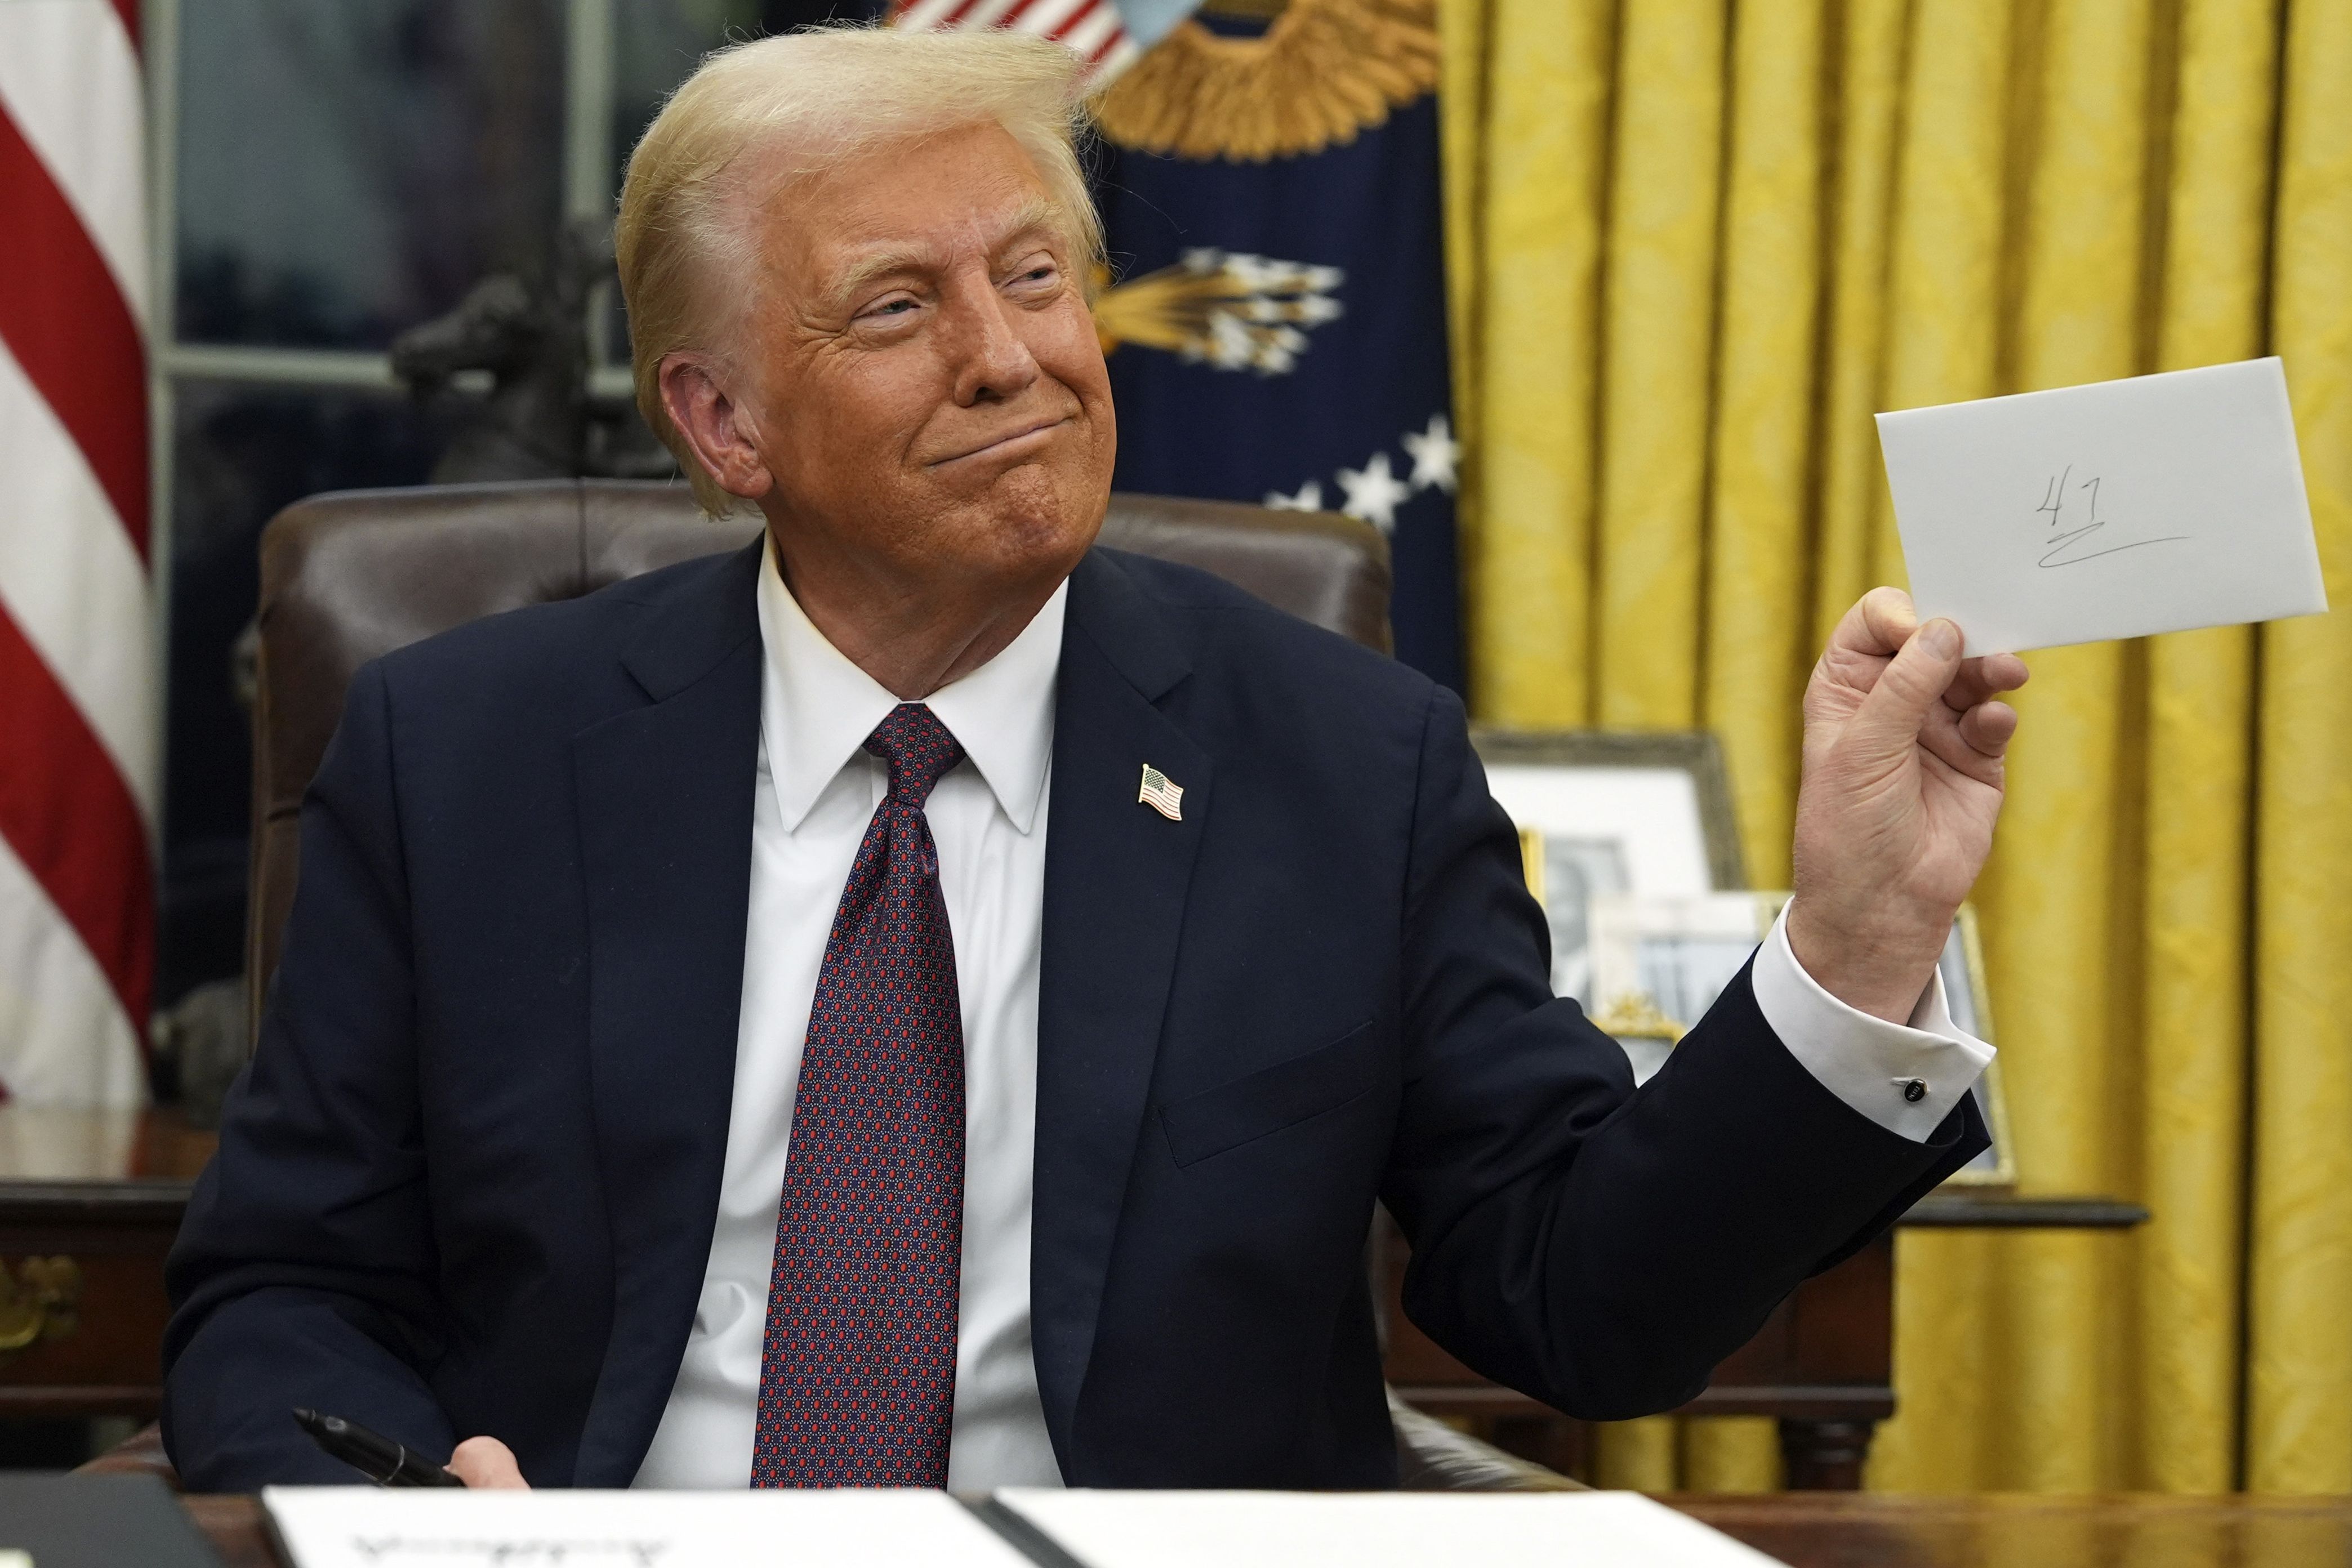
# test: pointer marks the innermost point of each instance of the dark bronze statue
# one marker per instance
(540, 418)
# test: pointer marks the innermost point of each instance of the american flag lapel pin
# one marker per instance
(1166, 798)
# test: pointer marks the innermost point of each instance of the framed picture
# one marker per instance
(1658, 965)
(1603, 814)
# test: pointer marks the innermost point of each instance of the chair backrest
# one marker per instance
(350, 576)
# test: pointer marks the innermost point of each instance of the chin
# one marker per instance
(1032, 523)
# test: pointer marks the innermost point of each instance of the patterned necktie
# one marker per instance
(858, 1377)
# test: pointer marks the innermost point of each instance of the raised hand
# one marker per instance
(1902, 787)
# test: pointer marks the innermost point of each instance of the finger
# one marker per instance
(1986, 728)
(1880, 622)
(1984, 677)
(486, 1464)
(1889, 718)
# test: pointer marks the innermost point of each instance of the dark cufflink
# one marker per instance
(1915, 1089)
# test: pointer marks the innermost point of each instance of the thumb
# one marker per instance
(1915, 681)
(486, 1464)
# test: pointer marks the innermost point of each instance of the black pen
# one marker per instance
(378, 1458)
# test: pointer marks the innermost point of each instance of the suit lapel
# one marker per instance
(1116, 876)
(665, 795)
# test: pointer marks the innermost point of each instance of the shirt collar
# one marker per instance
(816, 708)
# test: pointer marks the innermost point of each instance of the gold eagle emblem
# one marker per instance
(1231, 310)
(1323, 71)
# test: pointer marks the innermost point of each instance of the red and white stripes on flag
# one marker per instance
(78, 736)
(1090, 28)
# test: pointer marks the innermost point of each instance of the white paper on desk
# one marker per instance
(362, 1527)
(1374, 1529)
(2117, 509)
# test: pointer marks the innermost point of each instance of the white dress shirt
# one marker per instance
(817, 788)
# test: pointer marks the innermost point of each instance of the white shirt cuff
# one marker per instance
(1905, 1079)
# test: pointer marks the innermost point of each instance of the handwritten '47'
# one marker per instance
(2063, 541)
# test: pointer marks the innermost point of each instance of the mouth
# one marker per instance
(1016, 444)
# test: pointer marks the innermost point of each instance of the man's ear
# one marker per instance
(715, 426)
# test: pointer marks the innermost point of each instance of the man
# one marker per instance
(745, 1026)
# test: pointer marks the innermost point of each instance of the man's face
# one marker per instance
(924, 383)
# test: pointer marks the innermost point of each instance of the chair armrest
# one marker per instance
(1434, 1458)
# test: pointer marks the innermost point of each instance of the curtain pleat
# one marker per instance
(2299, 1417)
(1694, 246)
(1760, 487)
(2200, 804)
(1537, 159)
(1657, 336)
(1868, 40)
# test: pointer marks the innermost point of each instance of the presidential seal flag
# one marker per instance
(1277, 324)
(77, 731)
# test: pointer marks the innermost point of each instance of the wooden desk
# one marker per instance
(1820, 1530)
(105, 1191)
(1822, 1365)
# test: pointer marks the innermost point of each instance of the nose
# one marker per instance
(992, 359)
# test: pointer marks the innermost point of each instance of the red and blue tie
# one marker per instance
(858, 1376)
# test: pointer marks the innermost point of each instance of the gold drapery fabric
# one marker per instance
(1692, 245)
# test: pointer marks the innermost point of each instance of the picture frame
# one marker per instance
(1602, 812)
(1657, 964)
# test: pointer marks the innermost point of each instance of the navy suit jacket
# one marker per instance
(467, 1184)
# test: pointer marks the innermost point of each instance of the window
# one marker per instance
(327, 176)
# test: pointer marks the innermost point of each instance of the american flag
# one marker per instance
(78, 726)
(1090, 28)
(1167, 799)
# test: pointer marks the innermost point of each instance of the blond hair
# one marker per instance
(806, 101)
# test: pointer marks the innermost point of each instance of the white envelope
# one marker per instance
(2117, 509)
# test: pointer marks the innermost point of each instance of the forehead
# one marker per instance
(918, 200)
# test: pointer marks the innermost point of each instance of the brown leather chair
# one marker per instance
(348, 576)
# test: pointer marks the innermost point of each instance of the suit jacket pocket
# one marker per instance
(1271, 1098)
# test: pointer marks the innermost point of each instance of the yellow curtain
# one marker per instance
(1693, 246)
